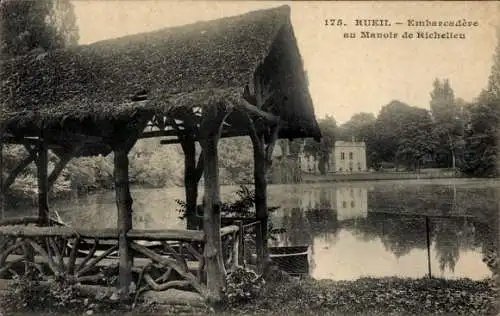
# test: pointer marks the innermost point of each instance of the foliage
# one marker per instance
(236, 157)
(480, 153)
(371, 296)
(41, 25)
(447, 113)
(242, 206)
(403, 134)
(242, 286)
(28, 293)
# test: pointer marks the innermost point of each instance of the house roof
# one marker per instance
(178, 67)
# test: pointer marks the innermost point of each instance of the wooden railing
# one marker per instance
(162, 258)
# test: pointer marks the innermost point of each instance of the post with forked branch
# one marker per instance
(261, 124)
(262, 161)
(210, 131)
(126, 138)
(192, 170)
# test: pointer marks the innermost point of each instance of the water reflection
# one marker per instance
(374, 229)
(380, 230)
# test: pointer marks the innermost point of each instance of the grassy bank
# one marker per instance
(367, 296)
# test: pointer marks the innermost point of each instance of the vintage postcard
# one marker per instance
(249, 157)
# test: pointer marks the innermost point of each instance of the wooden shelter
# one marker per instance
(236, 76)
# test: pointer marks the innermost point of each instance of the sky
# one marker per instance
(346, 76)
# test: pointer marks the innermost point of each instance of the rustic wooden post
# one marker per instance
(210, 130)
(190, 183)
(262, 160)
(241, 243)
(126, 136)
(2, 191)
(43, 182)
(124, 220)
(260, 184)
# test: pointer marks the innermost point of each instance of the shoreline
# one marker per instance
(377, 176)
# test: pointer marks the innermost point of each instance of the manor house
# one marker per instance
(346, 157)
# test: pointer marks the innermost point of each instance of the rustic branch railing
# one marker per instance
(163, 259)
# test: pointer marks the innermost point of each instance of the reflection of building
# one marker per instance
(351, 203)
(308, 163)
(349, 156)
(317, 199)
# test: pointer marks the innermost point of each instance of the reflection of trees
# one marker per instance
(298, 228)
(435, 200)
(399, 234)
(323, 223)
(446, 242)
(402, 233)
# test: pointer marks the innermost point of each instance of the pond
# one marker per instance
(352, 229)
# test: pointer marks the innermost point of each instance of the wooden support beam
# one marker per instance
(20, 167)
(153, 134)
(43, 184)
(124, 224)
(262, 158)
(252, 110)
(210, 130)
(63, 161)
(199, 167)
(190, 181)
(125, 136)
(2, 190)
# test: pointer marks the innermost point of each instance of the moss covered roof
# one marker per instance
(177, 67)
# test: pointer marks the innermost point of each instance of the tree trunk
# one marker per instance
(2, 191)
(190, 183)
(210, 131)
(214, 266)
(124, 220)
(260, 168)
(43, 184)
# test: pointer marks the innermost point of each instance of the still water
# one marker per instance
(352, 229)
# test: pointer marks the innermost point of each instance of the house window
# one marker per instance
(350, 156)
(352, 204)
(344, 204)
(342, 156)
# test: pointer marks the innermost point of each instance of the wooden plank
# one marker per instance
(52, 231)
(104, 233)
(229, 230)
(140, 262)
(166, 234)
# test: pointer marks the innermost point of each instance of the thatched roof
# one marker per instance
(177, 67)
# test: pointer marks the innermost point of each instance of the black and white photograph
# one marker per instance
(217, 157)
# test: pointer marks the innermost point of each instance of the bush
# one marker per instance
(242, 286)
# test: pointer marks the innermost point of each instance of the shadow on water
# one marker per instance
(352, 230)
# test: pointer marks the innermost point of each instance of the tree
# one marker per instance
(322, 150)
(416, 140)
(41, 25)
(448, 128)
(481, 150)
(34, 26)
(388, 128)
(403, 134)
(493, 89)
